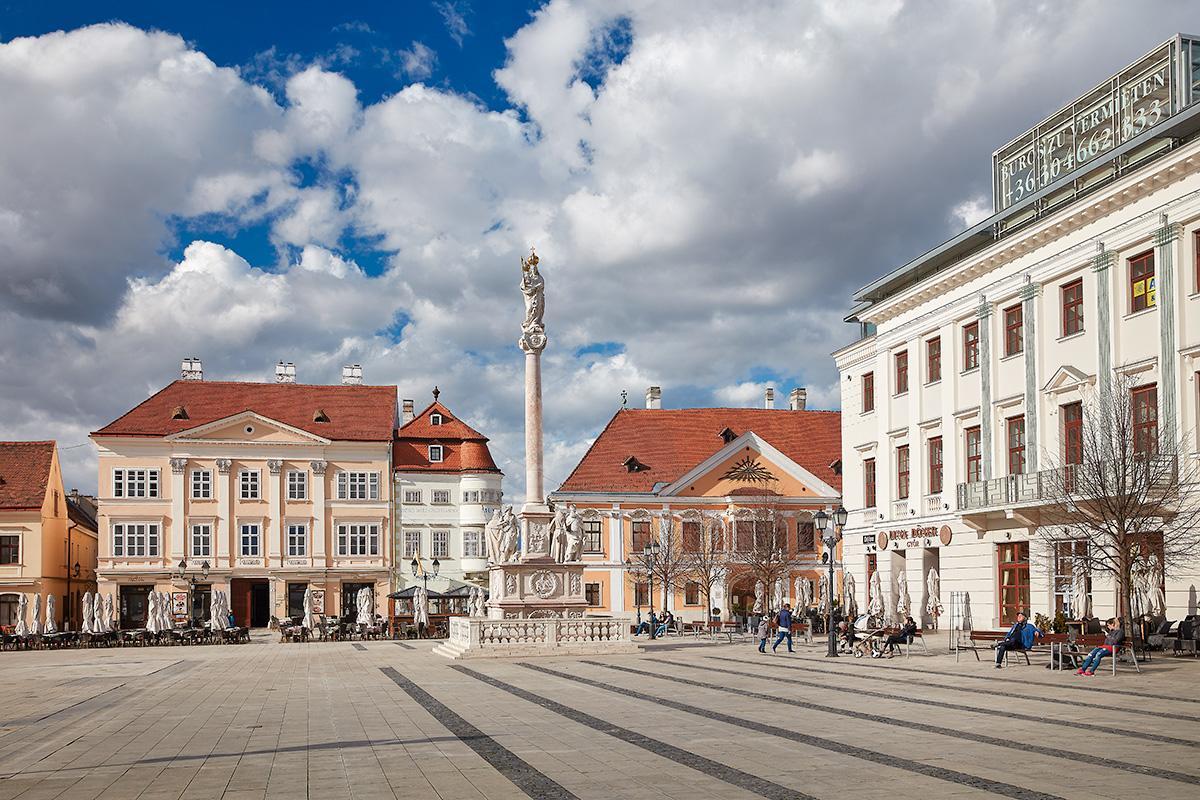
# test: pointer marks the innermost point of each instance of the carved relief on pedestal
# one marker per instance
(575, 614)
(510, 585)
(576, 583)
(544, 584)
(538, 537)
(545, 613)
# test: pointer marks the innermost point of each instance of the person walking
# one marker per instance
(1021, 636)
(784, 620)
(1113, 640)
(764, 628)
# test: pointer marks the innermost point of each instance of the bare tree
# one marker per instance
(707, 552)
(761, 547)
(1120, 493)
(667, 564)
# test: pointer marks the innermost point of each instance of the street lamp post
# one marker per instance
(831, 538)
(425, 574)
(190, 577)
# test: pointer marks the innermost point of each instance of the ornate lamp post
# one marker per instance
(425, 574)
(190, 577)
(831, 538)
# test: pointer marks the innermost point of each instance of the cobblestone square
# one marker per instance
(683, 719)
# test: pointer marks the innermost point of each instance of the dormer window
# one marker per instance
(179, 412)
(435, 419)
(633, 465)
(436, 454)
(320, 416)
(727, 435)
(836, 466)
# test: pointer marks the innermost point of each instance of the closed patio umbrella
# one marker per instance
(1080, 600)
(22, 628)
(36, 627)
(363, 603)
(875, 601)
(110, 620)
(848, 596)
(51, 626)
(168, 615)
(806, 593)
(903, 601)
(86, 625)
(421, 607)
(100, 623)
(152, 619)
(933, 598)
(217, 620)
(310, 618)
(823, 600)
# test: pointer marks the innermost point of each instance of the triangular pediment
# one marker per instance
(748, 465)
(248, 426)
(1067, 377)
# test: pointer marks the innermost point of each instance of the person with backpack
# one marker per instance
(784, 620)
(764, 629)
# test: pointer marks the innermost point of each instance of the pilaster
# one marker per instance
(985, 385)
(1029, 303)
(319, 512)
(274, 527)
(178, 533)
(1164, 280)
(223, 526)
(1102, 263)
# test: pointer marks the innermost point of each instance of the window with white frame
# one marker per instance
(358, 539)
(297, 539)
(470, 497)
(358, 486)
(202, 484)
(435, 419)
(135, 539)
(248, 483)
(201, 540)
(135, 483)
(412, 495)
(441, 496)
(441, 544)
(412, 544)
(10, 549)
(472, 543)
(251, 541)
(592, 536)
(436, 454)
(297, 485)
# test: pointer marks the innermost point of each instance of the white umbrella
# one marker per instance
(22, 628)
(100, 622)
(36, 627)
(152, 618)
(310, 619)
(849, 599)
(760, 597)
(806, 593)
(51, 625)
(1155, 599)
(86, 625)
(363, 602)
(823, 600)
(110, 623)
(1081, 603)
(933, 598)
(904, 602)
(168, 613)
(875, 602)
(421, 607)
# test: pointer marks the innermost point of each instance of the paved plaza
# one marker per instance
(681, 720)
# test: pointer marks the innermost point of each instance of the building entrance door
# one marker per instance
(295, 599)
(250, 602)
(201, 603)
(135, 601)
(350, 599)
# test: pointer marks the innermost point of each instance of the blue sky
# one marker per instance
(706, 182)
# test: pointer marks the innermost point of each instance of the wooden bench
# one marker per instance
(803, 628)
(988, 639)
(906, 647)
(1085, 645)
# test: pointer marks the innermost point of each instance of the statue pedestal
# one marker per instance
(537, 590)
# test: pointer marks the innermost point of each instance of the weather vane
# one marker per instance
(624, 398)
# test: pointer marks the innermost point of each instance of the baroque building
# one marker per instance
(258, 489)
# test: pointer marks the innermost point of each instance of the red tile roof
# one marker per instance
(464, 449)
(356, 413)
(24, 473)
(669, 442)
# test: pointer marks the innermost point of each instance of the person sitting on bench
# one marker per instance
(846, 637)
(1021, 636)
(1112, 643)
(903, 636)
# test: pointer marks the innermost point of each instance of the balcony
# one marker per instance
(933, 504)
(900, 509)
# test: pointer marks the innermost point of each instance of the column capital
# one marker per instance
(1169, 232)
(223, 465)
(318, 467)
(274, 465)
(178, 465)
(1030, 290)
(1103, 258)
(985, 308)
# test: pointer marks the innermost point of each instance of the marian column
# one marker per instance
(535, 514)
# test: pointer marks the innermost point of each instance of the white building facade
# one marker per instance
(446, 487)
(974, 358)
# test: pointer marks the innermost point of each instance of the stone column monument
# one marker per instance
(546, 579)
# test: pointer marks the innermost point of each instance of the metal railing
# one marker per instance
(1060, 483)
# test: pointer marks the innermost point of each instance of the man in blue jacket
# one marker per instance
(1020, 636)
(785, 628)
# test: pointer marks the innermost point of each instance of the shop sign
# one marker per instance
(901, 539)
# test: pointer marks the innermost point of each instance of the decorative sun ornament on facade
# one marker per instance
(748, 470)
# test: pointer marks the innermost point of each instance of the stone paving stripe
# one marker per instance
(529, 780)
(1023, 747)
(714, 769)
(941, 773)
(358, 646)
(1100, 687)
(1073, 725)
(405, 646)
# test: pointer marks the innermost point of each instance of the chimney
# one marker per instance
(352, 375)
(769, 398)
(191, 369)
(798, 398)
(407, 412)
(285, 373)
(654, 397)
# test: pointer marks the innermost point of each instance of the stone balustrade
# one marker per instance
(477, 637)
